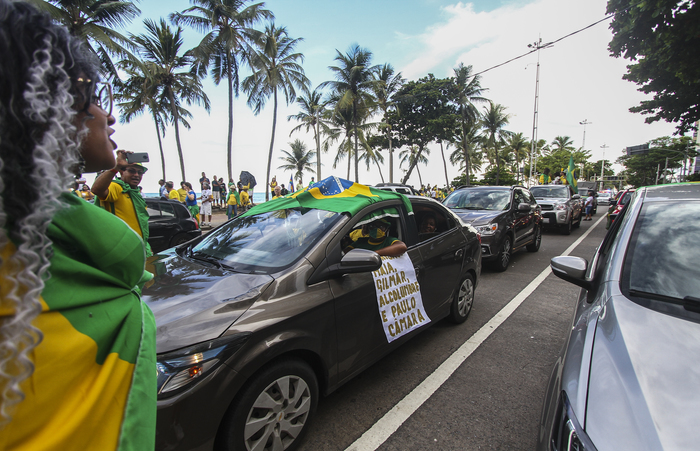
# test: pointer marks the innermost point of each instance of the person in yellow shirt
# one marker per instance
(232, 202)
(182, 192)
(245, 198)
(278, 192)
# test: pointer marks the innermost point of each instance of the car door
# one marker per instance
(360, 325)
(440, 266)
(523, 224)
(164, 225)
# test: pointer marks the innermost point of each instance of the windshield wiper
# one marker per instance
(690, 303)
(209, 259)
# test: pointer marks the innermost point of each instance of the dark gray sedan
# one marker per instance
(628, 378)
(267, 312)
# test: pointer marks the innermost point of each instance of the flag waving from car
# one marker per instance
(570, 176)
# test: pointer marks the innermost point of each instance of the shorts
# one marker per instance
(589, 210)
(217, 196)
(206, 209)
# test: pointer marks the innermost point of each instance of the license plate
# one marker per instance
(545, 220)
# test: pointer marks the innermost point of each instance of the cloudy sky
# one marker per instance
(579, 81)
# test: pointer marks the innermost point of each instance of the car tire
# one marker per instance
(566, 228)
(578, 223)
(273, 410)
(504, 254)
(535, 245)
(179, 239)
(463, 300)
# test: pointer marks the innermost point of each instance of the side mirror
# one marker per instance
(571, 269)
(355, 261)
(576, 196)
(524, 207)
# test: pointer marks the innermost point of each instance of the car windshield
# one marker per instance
(267, 242)
(663, 251)
(549, 191)
(479, 199)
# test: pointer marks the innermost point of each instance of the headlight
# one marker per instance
(568, 433)
(488, 229)
(180, 368)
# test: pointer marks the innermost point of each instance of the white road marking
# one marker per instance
(393, 419)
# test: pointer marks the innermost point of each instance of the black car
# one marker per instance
(263, 315)
(507, 217)
(169, 224)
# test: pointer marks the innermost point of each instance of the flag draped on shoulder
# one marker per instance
(332, 194)
(570, 175)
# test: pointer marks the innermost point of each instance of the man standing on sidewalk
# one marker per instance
(206, 205)
(122, 197)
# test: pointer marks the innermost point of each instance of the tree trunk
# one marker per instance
(498, 165)
(349, 163)
(413, 164)
(467, 161)
(420, 179)
(357, 159)
(229, 155)
(272, 143)
(380, 169)
(160, 145)
(176, 120)
(444, 164)
(391, 160)
(318, 151)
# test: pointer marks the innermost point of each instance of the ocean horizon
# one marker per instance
(258, 198)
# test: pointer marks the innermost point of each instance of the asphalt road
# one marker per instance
(494, 398)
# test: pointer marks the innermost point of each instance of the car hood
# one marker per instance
(550, 200)
(476, 216)
(194, 302)
(644, 387)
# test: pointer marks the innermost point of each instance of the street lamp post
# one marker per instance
(584, 123)
(602, 167)
(536, 45)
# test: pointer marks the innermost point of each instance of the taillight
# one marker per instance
(478, 236)
(196, 224)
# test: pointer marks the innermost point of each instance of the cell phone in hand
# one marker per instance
(137, 157)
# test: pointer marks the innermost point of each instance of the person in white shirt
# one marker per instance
(589, 206)
(206, 198)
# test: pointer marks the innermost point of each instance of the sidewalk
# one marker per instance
(218, 217)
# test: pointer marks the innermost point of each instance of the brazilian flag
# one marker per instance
(570, 175)
(94, 381)
(331, 194)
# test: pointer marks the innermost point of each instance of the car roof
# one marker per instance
(676, 191)
(503, 187)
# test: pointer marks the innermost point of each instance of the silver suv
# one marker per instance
(561, 207)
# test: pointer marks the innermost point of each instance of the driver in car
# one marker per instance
(375, 238)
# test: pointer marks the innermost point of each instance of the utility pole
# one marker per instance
(602, 164)
(535, 117)
(584, 123)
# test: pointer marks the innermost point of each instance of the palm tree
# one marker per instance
(276, 66)
(473, 144)
(388, 83)
(227, 24)
(469, 92)
(412, 156)
(562, 143)
(494, 120)
(519, 146)
(353, 87)
(299, 160)
(160, 48)
(314, 116)
(92, 21)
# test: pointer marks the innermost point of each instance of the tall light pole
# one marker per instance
(584, 123)
(602, 167)
(536, 45)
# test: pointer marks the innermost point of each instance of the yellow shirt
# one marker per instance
(120, 205)
(174, 195)
(183, 195)
(245, 198)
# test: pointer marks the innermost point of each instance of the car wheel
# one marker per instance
(463, 300)
(566, 228)
(274, 410)
(578, 223)
(501, 262)
(179, 239)
(535, 245)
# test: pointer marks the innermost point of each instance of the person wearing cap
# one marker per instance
(245, 198)
(375, 238)
(205, 210)
(121, 196)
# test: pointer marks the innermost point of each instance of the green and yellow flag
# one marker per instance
(94, 380)
(570, 176)
(332, 194)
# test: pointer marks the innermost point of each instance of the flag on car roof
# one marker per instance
(332, 194)
(291, 183)
(570, 176)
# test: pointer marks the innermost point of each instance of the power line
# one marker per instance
(548, 44)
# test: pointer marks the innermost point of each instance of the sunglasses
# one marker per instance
(102, 96)
(134, 171)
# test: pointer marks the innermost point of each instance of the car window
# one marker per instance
(266, 242)
(479, 199)
(152, 210)
(531, 198)
(167, 209)
(662, 254)
(391, 215)
(520, 197)
(548, 191)
(431, 221)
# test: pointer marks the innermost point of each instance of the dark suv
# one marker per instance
(169, 224)
(507, 217)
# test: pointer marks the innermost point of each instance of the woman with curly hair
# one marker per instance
(77, 344)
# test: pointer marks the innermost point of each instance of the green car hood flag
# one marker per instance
(94, 380)
(332, 194)
(570, 176)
